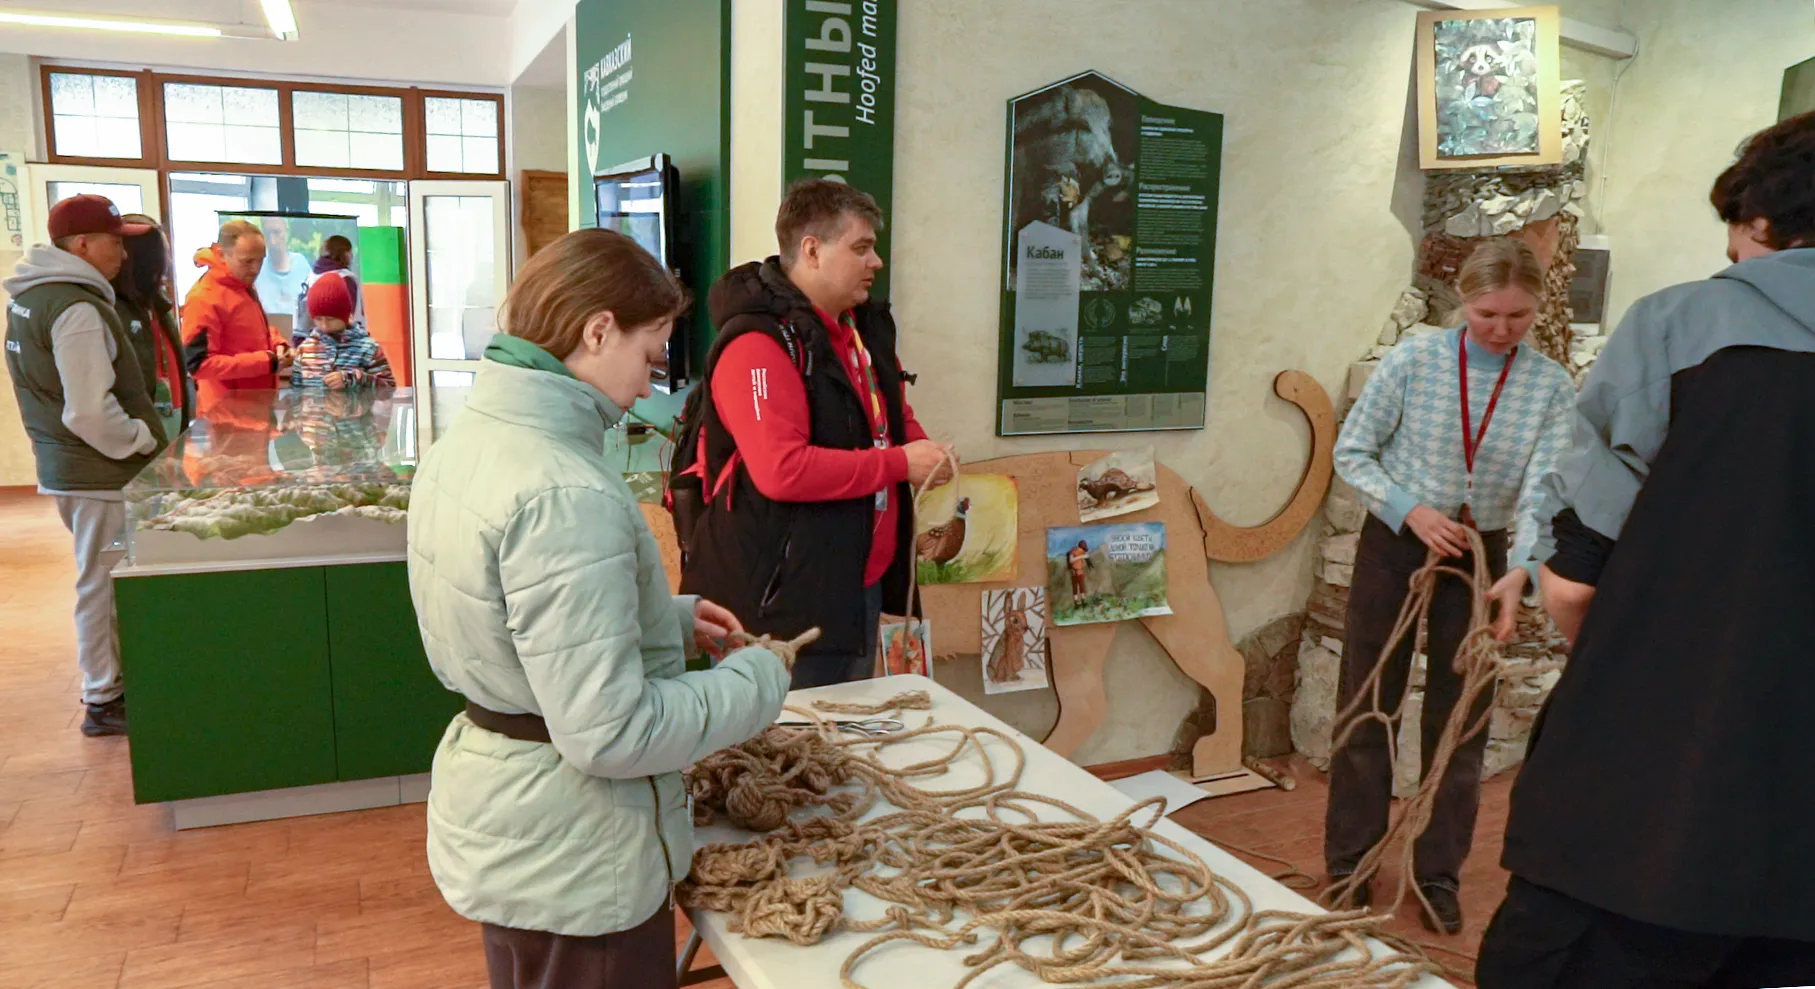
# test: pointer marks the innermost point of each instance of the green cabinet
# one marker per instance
(228, 688)
(253, 680)
(389, 709)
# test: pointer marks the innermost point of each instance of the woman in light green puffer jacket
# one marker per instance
(558, 818)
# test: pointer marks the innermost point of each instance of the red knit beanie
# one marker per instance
(329, 297)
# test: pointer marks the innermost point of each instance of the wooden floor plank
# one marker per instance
(242, 958)
(342, 975)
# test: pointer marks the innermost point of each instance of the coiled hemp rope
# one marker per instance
(1069, 901)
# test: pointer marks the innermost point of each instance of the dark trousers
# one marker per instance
(639, 958)
(1541, 939)
(1361, 774)
(823, 670)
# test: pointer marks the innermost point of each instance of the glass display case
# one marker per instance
(290, 477)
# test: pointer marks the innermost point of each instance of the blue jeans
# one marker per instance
(820, 670)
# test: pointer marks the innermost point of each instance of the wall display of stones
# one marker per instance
(1487, 88)
(1014, 640)
(1108, 246)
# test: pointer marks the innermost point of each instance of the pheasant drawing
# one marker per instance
(942, 543)
(1011, 651)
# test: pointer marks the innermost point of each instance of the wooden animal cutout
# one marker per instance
(1196, 635)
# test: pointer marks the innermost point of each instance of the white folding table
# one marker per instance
(773, 963)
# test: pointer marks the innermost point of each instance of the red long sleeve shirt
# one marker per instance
(762, 400)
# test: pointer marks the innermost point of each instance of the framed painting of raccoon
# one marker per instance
(1015, 656)
(1489, 88)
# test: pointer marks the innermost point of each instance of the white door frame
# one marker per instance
(39, 177)
(422, 365)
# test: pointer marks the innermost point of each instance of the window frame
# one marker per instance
(154, 144)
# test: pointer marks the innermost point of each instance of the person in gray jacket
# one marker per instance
(557, 815)
(91, 419)
(1658, 834)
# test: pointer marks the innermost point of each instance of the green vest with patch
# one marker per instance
(65, 463)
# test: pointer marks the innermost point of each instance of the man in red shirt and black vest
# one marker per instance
(808, 451)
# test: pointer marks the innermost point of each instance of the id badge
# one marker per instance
(882, 497)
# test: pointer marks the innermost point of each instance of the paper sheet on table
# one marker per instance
(1178, 793)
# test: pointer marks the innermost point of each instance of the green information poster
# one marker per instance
(1109, 247)
(841, 99)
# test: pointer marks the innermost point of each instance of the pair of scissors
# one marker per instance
(872, 728)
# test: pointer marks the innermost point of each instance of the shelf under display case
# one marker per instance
(295, 477)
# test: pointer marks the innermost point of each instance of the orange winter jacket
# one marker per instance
(227, 343)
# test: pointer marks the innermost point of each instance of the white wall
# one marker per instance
(18, 81)
(757, 118)
(1310, 254)
(538, 137)
(1706, 76)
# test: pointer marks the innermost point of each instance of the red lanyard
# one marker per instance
(1470, 447)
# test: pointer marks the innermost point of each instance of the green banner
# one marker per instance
(841, 99)
(654, 78)
(1109, 244)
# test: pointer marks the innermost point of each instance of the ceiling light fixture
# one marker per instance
(281, 18)
(108, 24)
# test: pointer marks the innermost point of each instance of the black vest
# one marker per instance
(785, 567)
(65, 463)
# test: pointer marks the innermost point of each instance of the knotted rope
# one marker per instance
(786, 650)
(1069, 900)
(1478, 663)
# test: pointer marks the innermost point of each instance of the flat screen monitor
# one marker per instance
(638, 199)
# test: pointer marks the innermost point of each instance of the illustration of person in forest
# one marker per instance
(1079, 562)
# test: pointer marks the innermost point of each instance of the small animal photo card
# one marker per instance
(1121, 483)
(1015, 653)
(907, 647)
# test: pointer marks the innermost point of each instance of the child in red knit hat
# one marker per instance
(337, 354)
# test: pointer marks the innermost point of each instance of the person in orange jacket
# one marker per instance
(228, 344)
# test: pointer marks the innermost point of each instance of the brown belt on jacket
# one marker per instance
(522, 727)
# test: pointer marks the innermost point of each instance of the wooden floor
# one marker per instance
(96, 892)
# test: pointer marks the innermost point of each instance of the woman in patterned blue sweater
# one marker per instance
(1425, 476)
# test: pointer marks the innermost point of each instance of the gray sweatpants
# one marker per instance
(95, 524)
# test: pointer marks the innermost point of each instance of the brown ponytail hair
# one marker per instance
(1501, 263)
(585, 273)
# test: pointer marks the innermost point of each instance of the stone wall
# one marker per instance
(1542, 207)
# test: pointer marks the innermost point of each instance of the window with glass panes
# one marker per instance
(222, 123)
(94, 116)
(462, 135)
(97, 116)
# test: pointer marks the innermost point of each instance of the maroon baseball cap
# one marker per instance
(90, 214)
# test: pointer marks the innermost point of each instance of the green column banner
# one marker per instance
(654, 78)
(1109, 249)
(840, 103)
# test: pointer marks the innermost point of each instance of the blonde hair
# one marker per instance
(233, 231)
(1501, 263)
(584, 273)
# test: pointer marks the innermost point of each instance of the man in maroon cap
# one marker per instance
(92, 423)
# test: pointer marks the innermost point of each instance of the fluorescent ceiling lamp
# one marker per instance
(281, 18)
(108, 24)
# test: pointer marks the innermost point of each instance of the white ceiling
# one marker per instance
(483, 8)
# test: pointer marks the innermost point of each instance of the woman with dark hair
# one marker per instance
(142, 298)
(557, 816)
(1659, 827)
